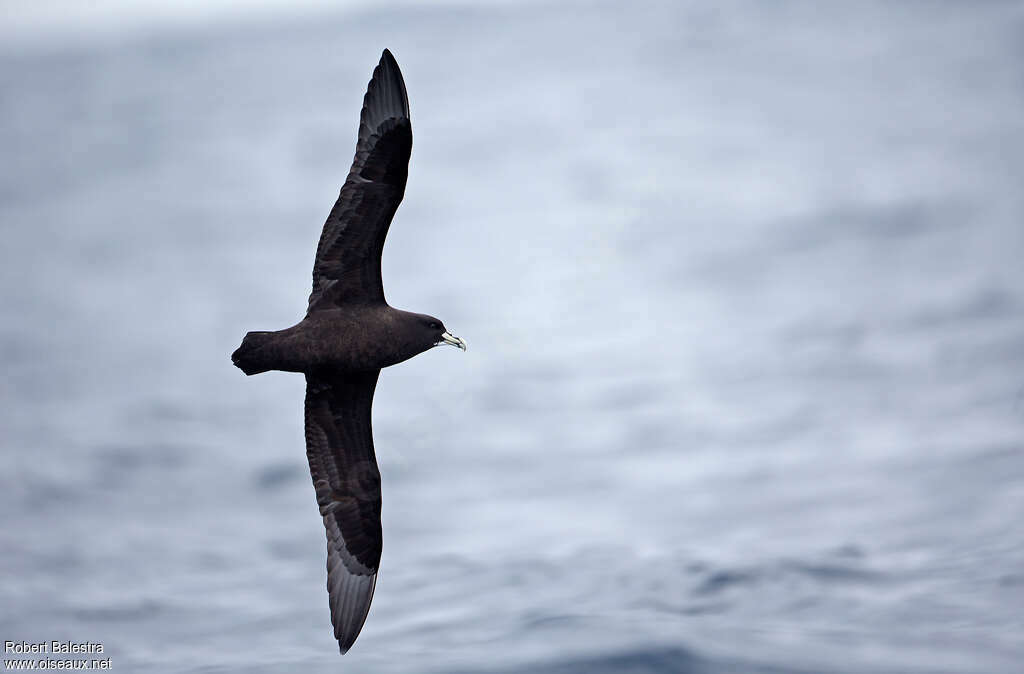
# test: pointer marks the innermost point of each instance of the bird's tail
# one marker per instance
(252, 356)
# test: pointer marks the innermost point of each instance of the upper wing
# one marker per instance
(347, 265)
(339, 446)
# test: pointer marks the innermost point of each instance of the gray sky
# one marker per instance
(42, 21)
(34, 20)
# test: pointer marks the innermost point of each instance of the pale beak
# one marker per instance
(453, 340)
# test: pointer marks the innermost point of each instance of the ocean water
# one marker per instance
(744, 298)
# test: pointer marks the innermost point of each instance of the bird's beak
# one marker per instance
(453, 340)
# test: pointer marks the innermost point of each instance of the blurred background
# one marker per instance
(743, 292)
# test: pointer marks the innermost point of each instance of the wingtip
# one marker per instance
(386, 97)
(388, 61)
(346, 641)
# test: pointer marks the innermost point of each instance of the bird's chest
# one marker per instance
(348, 343)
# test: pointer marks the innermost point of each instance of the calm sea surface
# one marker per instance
(744, 296)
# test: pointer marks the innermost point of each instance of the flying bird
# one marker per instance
(348, 334)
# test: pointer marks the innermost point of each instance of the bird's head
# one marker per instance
(430, 332)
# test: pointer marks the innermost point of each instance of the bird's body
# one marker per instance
(348, 334)
(356, 338)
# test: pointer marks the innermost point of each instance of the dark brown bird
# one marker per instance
(348, 334)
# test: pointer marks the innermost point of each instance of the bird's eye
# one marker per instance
(435, 326)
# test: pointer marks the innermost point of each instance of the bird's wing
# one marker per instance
(339, 446)
(347, 265)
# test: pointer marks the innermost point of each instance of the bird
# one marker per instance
(349, 333)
